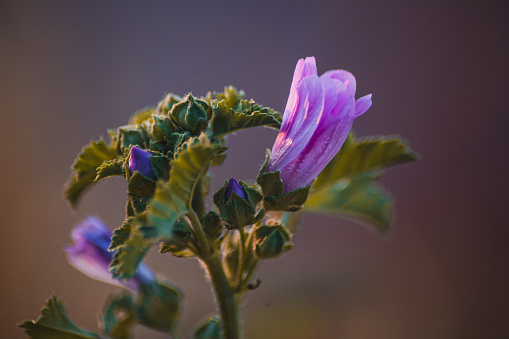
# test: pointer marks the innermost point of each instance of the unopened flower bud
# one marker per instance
(237, 204)
(234, 186)
(139, 161)
(191, 114)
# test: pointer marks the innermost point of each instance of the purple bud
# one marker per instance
(139, 161)
(234, 186)
(318, 117)
(89, 254)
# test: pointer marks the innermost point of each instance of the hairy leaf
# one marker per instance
(247, 114)
(121, 234)
(358, 156)
(110, 168)
(128, 256)
(86, 168)
(359, 197)
(54, 323)
(174, 198)
(141, 116)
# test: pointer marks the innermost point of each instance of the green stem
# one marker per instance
(242, 257)
(201, 238)
(228, 301)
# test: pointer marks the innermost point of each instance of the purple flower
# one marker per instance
(317, 119)
(90, 255)
(234, 186)
(139, 161)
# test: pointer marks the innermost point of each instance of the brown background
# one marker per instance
(438, 73)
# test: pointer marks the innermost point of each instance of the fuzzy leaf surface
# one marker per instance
(54, 323)
(246, 114)
(86, 167)
(358, 156)
(360, 198)
(173, 198)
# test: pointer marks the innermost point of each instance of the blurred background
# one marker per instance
(438, 72)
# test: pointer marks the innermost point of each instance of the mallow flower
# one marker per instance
(317, 119)
(139, 160)
(89, 254)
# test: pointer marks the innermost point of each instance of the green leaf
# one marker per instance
(173, 198)
(141, 116)
(118, 317)
(110, 168)
(121, 234)
(231, 96)
(130, 249)
(359, 197)
(209, 329)
(227, 120)
(54, 323)
(359, 156)
(86, 167)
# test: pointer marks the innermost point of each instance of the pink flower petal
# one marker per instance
(304, 68)
(345, 77)
(298, 126)
(362, 105)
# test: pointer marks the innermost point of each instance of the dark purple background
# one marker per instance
(438, 73)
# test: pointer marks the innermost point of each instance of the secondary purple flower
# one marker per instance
(234, 186)
(318, 117)
(89, 254)
(139, 160)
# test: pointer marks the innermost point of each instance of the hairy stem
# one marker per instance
(242, 257)
(227, 300)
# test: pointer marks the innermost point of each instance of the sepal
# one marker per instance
(274, 198)
(158, 307)
(118, 317)
(179, 240)
(165, 105)
(209, 329)
(128, 136)
(140, 186)
(270, 241)
(237, 211)
(212, 225)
